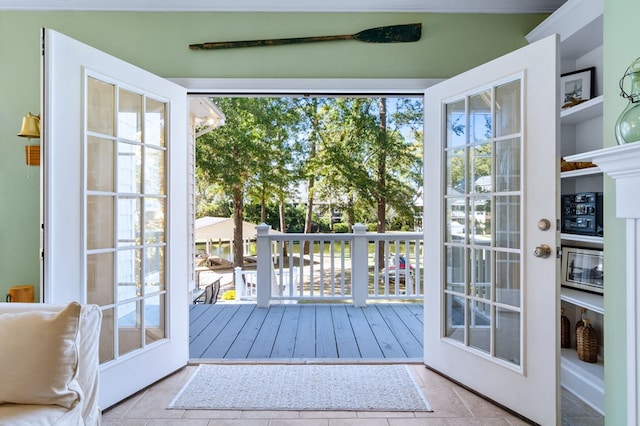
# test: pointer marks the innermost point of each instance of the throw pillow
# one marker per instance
(39, 357)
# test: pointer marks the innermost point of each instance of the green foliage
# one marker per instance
(349, 159)
(340, 227)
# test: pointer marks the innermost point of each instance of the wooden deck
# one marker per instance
(380, 332)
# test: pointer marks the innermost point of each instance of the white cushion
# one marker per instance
(40, 415)
(39, 357)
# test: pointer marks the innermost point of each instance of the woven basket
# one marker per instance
(580, 323)
(565, 331)
(587, 343)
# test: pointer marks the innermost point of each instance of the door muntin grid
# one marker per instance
(125, 214)
(482, 165)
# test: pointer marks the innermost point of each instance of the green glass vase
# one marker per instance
(628, 124)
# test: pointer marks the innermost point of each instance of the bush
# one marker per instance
(372, 227)
(229, 295)
(340, 228)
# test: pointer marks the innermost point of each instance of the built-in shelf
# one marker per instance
(582, 238)
(584, 379)
(583, 112)
(581, 172)
(592, 301)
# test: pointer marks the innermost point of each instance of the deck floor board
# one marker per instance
(227, 331)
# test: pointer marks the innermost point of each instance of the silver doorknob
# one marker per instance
(544, 224)
(542, 250)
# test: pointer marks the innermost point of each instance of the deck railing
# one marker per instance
(356, 267)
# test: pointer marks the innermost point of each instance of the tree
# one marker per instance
(276, 172)
(233, 147)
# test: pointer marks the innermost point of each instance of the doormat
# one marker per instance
(301, 387)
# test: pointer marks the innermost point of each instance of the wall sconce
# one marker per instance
(31, 129)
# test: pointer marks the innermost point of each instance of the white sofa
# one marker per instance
(49, 367)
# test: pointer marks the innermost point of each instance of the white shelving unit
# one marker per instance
(579, 24)
(584, 299)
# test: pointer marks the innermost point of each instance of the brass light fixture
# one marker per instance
(31, 129)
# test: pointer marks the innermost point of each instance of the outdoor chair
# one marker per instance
(210, 294)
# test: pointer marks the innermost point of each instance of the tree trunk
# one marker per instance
(312, 180)
(238, 216)
(309, 215)
(382, 173)
(351, 212)
(283, 228)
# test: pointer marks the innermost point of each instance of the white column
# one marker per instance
(263, 269)
(622, 163)
(360, 265)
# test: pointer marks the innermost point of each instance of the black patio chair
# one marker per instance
(210, 295)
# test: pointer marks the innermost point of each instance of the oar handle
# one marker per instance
(270, 42)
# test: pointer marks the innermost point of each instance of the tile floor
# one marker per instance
(452, 406)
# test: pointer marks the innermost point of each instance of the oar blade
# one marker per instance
(391, 34)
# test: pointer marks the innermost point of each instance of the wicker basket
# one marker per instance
(565, 330)
(580, 323)
(587, 343)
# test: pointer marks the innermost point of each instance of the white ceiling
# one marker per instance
(438, 6)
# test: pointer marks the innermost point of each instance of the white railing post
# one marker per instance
(263, 269)
(240, 284)
(360, 266)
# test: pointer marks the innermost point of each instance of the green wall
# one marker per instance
(620, 49)
(451, 43)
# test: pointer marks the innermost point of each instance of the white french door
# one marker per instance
(491, 297)
(115, 208)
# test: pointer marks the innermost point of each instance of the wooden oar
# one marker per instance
(391, 34)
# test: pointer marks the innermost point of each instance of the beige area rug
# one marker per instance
(301, 387)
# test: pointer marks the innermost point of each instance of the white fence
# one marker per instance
(324, 267)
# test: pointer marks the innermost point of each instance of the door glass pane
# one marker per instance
(129, 168)
(129, 274)
(507, 223)
(481, 274)
(100, 106)
(107, 345)
(455, 317)
(154, 270)
(480, 116)
(508, 335)
(129, 327)
(481, 168)
(456, 124)
(480, 325)
(129, 221)
(508, 109)
(100, 168)
(508, 165)
(154, 174)
(508, 287)
(100, 279)
(130, 115)
(455, 171)
(154, 214)
(99, 222)
(456, 220)
(480, 220)
(154, 123)
(455, 269)
(154, 319)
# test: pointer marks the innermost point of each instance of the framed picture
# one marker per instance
(577, 87)
(583, 269)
